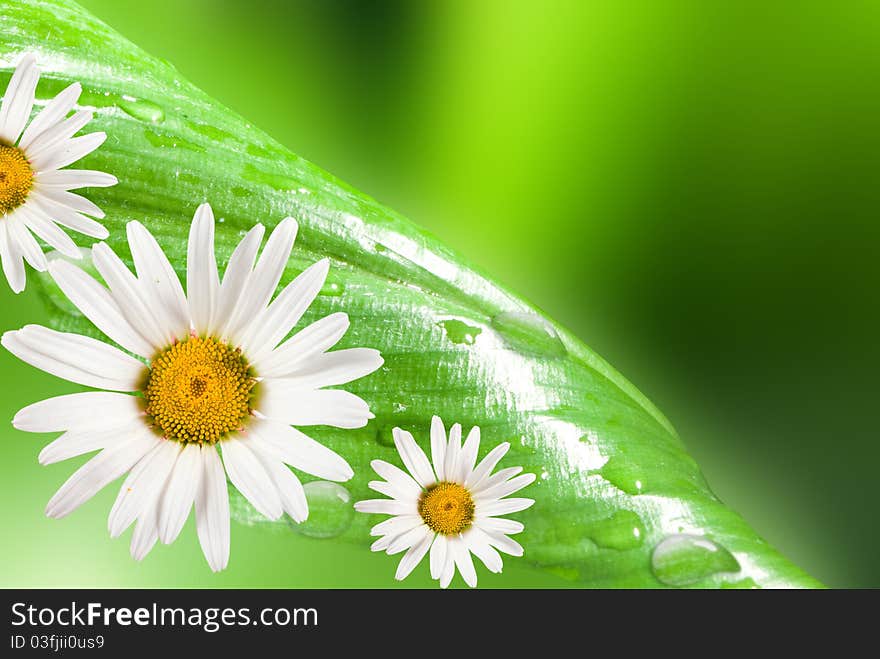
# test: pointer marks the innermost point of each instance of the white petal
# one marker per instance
(18, 99)
(202, 281)
(438, 447)
(478, 543)
(26, 244)
(212, 510)
(453, 448)
(503, 489)
(250, 478)
(408, 539)
(160, 284)
(276, 321)
(394, 526)
(76, 358)
(438, 555)
(290, 489)
(126, 292)
(69, 152)
(490, 481)
(387, 489)
(235, 278)
(47, 231)
(54, 111)
(463, 560)
(105, 467)
(179, 493)
(54, 137)
(487, 464)
(264, 280)
(382, 543)
(499, 525)
(448, 570)
(73, 179)
(413, 557)
(334, 368)
(299, 450)
(313, 340)
(97, 304)
(10, 256)
(70, 200)
(332, 407)
(66, 216)
(413, 457)
(505, 544)
(469, 454)
(78, 442)
(397, 477)
(91, 410)
(387, 507)
(502, 507)
(143, 484)
(145, 534)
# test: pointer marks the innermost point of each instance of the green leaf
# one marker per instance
(619, 502)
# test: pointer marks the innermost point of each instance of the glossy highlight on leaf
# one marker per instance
(616, 491)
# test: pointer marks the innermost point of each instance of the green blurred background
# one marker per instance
(692, 187)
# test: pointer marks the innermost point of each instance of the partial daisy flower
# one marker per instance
(215, 383)
(453, 509)
(35, 192)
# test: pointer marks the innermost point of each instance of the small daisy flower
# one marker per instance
(35, 192)
(215, 383)
(452, 510)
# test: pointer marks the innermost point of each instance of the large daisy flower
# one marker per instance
(35, 192)
(215, 383)
(453, 509)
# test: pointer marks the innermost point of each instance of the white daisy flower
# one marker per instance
(453, 509)
(35, 192)
(216, 382)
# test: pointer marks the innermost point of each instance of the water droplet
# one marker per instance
(273, 180)
(623, 530)
(240, 192)
(624, 477)
(98, 99)
(330, 510)
(260, 152)
(459, 332)
(528, 332)
(171, 141)
(332, 289)
(210, 131)
(384, 436)
(142, 110)
(683, 559)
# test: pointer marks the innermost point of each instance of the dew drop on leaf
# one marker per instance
(682, 559)
(330, 510)
(529, 333)
(622, 530)
(141, 110)
(460, 332)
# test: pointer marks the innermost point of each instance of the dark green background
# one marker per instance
(692, 187)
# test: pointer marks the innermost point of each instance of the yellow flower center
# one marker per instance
(198, 391)
(16, 178)
(447, 508)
